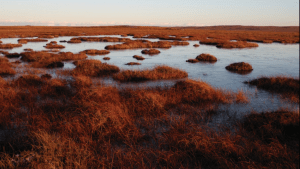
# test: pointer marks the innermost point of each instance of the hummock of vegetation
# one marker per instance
(28, 50)
(196, 45)
(74, 41)
(94, 68)
(206, 57)
(150, 51)
(6, 67)
(42, 59)
(240, 66)
(137, 57)
(106, 58)
(192, 60)
(159, 72)
(287, 86)
(95, 52)
(238, 44)
(133, 63)
(25, 41)
(9, 46)
(101, 39)
(54, 45)
(12, 55)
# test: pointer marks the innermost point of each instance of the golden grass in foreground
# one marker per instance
(6, 67)
(94, 68)
(287, 86)
(74, 124)
(159, 72)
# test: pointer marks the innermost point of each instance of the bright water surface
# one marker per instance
(266, 60)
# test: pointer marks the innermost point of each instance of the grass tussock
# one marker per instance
(54, 45)
(133, 63)
(9, 46)
(44, 59)
(94, 68)
(206, 57)
(192, 60)
(159, 72)
(74, 41)
(240, 66)
(150, 51)
(287, 86)
(137, 57)
(25, 41)
(95, 52)
(12, 55)
(238, 44)
(106, 58)
(196, 45)
(6, 68)
(28, 50)
(101, 39)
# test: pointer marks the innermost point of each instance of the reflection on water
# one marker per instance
(267, 59)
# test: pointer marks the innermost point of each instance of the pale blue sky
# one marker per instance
(150, 12)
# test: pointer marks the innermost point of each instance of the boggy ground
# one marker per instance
(79, 124)
(287, 86)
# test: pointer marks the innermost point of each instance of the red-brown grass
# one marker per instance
(12, 55)
(196, 45)
(133, 63)
(137, 57)
(53, 46)
(159, 72)
(139, 44)
(6, 67)
(240, 66)
(106, 58)
(287, 86)
(28, 50)
(44, 59)
(238, 44)
(206, 57)
(74, 41)
(101, 39)
(192, 60)
(94, 68)
(150, 51)
(95, 52)
(25, 41)
(9, 46)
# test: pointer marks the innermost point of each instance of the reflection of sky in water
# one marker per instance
(267, 59)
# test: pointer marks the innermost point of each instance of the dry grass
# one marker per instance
(287, 86)
(12, 55)
(101, 39)
(74, 41)
(9, 46)
(73, 124)
(159, 72)
(139, 44)
(6, 67)
(106, 58)
(94, 68)
(196, 45)
(95, 52)
(192, 60)
(150, 51)
(206, 57)
(25, 41)
(53, 45)
(133, 63)
(44, 59)
(137, 57)
(238, 44)
(240, 66)
(28, 50)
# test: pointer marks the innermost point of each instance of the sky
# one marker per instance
(149, 12)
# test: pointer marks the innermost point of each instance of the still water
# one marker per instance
(266, 60)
